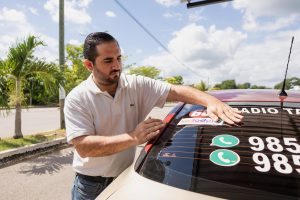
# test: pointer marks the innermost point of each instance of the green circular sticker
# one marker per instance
(225, 141)
(224, 157)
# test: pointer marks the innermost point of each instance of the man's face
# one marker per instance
(108, 64)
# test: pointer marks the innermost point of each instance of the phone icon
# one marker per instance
(220, 156)
(222, 139)
(224, 157)
(225, 140)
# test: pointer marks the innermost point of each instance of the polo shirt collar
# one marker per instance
(91, 85)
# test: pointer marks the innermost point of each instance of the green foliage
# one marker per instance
(10, 143)
(258, 87)
(3, 92)
(227, 84)
(36, 93)
(230, 84)
(201, 86)
(175, 80)
(77, 72)
(21, 64)
(289, 84)
(244, 86)
(147, 71)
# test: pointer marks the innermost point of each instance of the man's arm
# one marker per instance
(215, 108)
(96, 146)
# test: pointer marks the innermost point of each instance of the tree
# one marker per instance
(148, 71)
(77, 71)
(175, 80)
(258, 87)
(290, 83)
(227, 84)
(35, 92)
(244, 86)
(20, 63)
(3, 90)
(201, 86)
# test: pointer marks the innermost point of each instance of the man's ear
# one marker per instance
(88, 64)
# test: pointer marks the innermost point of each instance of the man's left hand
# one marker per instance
(216, 110)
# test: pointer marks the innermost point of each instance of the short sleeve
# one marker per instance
(152, 93)
(78, 120)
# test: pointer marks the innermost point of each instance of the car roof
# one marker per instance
(254, 95)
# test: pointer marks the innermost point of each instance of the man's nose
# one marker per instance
(116, 65)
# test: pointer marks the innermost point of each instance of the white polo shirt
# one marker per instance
(90, 111)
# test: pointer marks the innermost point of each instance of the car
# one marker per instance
(195, 157)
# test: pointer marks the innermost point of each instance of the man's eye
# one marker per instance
(107, 61)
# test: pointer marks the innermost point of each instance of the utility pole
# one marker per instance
(61, 61)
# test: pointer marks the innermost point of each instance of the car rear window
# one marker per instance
(259, 158)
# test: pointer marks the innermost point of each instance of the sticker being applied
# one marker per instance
(199, 114)
(199, 121)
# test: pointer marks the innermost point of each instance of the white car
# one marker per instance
(195, 158)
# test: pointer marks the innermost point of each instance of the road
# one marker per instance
(34, 120)
(45, 177)
(37, 120)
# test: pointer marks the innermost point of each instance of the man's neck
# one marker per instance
(111, 89)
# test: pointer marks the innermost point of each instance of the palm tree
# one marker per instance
(201, 86)
(20, 63)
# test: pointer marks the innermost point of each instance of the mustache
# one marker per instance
(114, 71)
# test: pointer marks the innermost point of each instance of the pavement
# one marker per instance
(48, 174)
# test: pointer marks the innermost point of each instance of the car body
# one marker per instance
(196, 158)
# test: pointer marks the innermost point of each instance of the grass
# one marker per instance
(10, 143)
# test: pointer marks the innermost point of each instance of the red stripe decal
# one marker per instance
(167, 119)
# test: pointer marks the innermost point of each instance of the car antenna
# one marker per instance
(283, 94)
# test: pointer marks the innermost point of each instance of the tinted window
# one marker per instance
(266, 144)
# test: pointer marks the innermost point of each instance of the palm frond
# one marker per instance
(49, 73)
(19, 54)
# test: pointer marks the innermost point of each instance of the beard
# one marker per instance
(107, 80)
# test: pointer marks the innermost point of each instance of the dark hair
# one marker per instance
(92, 40)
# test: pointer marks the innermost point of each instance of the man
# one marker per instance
(105, 115)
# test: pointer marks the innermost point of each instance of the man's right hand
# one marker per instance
(147, 130)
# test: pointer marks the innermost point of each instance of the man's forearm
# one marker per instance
(189, 95)
(97, 146)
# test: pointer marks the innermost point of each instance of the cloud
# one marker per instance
(168, 3)
(33, 11)
(12, 15)
(217, 55)
(110, 14)
(196, 16)
(75, 10)
(195, 51)
(74, 42)
(264, 63)
(26, 8)
(260, 15)
(15, 27)
(276, 8)
(138, 51)
(170, 15)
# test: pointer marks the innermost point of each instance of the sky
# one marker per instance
(245, 40)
